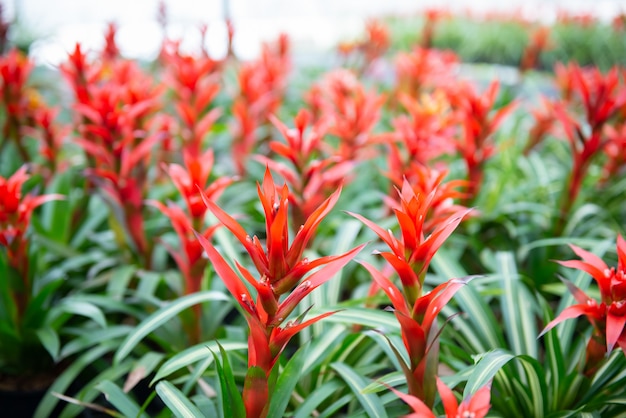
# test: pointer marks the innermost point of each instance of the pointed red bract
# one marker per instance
(607, 316)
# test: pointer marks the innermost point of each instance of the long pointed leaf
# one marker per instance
(160, 317)
(176, 401)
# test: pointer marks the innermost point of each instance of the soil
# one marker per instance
(27, 382)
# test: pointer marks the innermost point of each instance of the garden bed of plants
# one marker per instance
(396, 233)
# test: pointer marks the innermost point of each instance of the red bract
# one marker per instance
(192, 182)
(261, 88)
(18, 101)
(366, 51)
(193, 81)
(192, 178)
(539, 41)
(311, 175)
(424, 68)
(475, 407)
(425, 181)
(608, 315)
(476, 112)
(15, 214)
(411, 254)
(281, 269)
(114, 132)
(80, 73)
(353, 112)
(410, 257)
(111, 51)
(419, 137)
(602, 97)
(431, 18)
(615, 151)
(544, 123)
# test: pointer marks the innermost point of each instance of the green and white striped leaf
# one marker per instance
(485, 370)
(518, 308)
(160, 317)
(370, 402)
(176, 401)
(120, 400)
(194, 354)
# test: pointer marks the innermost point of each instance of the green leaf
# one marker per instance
(485, 370)
(79, 307)
(343, 242)
(50, 340)
(517, 305)
(160, 317)
(317, 397)
(362, 316)
(176, 401)
(231, 401)
(536, 384)
(118, 283)
(370, 402)
(91, 337)
(60, 385)
(286, 383)
(194, 354)
(321, 347)
(120, 400)
(483, 332)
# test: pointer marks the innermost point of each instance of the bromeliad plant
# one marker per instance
(410, 256)
(25, 300)
(608, 315)
(283, 282)
(167, 283)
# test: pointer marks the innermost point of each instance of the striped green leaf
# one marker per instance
(485, 370)
(194, 354)
(370, 402)
(120, 400)
(160, 317)
(518, 308)
(176, 401)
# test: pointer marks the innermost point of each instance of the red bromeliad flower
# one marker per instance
(602, 97)
(431, 17)
(282, 268)
(475, 407)
(15, 214)
(353, 112)
(18, 101)
(410, 257)
(411, 254)
(615, 151)
(475, 112)
(192, 178)
(423, 68)
(312, 177)
(261, 88)
(539, 42)
(419, 137)
(192, 182)
(425, 181)
(366, 51)
(607, 316)
(193, 81)
(544, 124)
(115, 108)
